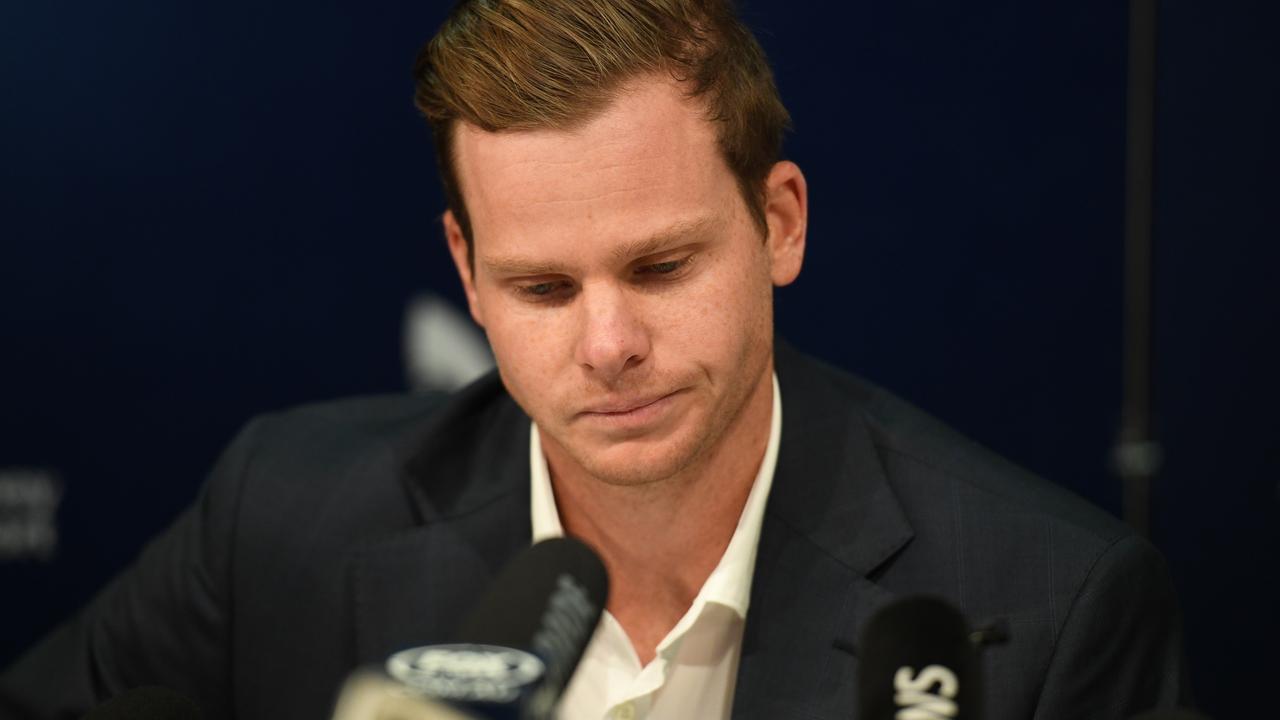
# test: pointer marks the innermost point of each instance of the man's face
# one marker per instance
(624, 288)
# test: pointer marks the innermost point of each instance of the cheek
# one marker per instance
(529, 351)
(719, 321)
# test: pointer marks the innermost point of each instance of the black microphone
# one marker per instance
(146, 703)
(548, 600)
(918, 664)
(517, 649)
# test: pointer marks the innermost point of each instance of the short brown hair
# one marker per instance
(553, 64)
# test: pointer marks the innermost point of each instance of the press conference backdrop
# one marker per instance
(211, 210)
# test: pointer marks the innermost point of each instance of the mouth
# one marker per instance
(628, 415)
(626, 406)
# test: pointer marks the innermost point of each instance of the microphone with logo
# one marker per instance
(514, 654)
(918, 664)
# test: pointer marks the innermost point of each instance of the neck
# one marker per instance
(661, 540)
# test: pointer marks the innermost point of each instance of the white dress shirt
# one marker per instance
(694, 671)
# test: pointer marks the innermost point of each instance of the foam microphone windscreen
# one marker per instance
(916, 661)
(370, 696)
(517, 649)
(510, 659)
(146, 703)
(547, 601)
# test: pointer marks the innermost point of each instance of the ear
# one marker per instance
(787, 212)
(460, 250)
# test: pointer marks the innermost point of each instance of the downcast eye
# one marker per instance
(544, 291)
(664, 268)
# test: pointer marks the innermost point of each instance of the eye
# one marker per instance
(540, 288)
(670, 267)
(544, 291)
(664, 268)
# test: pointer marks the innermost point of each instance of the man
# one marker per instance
(618, 215)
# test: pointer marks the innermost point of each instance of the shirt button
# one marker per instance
(626, 711)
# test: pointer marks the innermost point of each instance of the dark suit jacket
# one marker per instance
(333, 535)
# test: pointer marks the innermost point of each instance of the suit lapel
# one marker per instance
(468, 482)
(831, 521)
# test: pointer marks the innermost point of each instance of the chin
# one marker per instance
(636, 463)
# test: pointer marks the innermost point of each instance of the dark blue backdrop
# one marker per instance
(214, 209)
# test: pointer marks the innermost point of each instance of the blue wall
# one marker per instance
(208, 210)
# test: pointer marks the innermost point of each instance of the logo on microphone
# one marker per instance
(465, 672)
(927, 695)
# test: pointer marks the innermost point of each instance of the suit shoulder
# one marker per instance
(324, 441)
(389, 414)
(917, 445)
(305, 455)
(917, 437)
(367, 414)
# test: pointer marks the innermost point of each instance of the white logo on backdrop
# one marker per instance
(443, 349)
(29, 500)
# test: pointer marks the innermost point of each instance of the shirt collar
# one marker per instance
(730, 582)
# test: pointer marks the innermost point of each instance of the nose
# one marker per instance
(612, 335)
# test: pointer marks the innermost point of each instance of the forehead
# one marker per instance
(649, 159)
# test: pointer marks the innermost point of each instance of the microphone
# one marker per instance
(518, 647)
(370, 696)
(146, 703)
(548, 600)
(919, 664)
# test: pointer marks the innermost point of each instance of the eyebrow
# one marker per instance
(683, 231)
